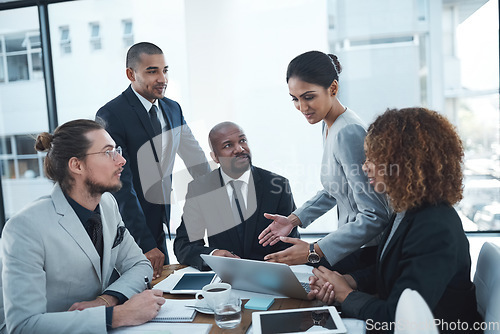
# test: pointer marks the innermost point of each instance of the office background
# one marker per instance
(61, 60)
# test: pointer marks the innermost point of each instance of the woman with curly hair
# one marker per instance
(414, 156)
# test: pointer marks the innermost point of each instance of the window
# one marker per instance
(21, 169)
(21, 159)
(95, 37)
(444, 67)
(442, 54)
(23, 108)
(22, 57)
(33, 45)
(65, 41)
(422, 10)
(128, 34)
(3, 64)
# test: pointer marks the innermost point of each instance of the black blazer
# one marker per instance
(129, 125)
(207, 206)
(429, 253)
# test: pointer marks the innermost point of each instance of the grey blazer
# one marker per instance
(363, 214)
(49, 263)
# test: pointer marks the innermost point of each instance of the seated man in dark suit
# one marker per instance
(228, 204)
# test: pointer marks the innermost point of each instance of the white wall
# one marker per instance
(238, 52)
(227, 61)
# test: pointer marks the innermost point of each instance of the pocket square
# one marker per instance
(119, 236)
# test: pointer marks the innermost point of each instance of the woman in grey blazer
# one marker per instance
(312, 80)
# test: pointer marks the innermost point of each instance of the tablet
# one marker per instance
(186, 283)
(314, 319)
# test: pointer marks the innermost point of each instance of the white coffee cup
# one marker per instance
(215, 294)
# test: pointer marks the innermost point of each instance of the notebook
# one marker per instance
(174, 310)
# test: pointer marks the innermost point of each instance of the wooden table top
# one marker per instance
(246, 315)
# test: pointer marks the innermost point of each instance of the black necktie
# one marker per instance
(96, 232)
(239, 205)
(155, 122)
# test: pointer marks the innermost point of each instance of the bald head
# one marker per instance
(219, 129)
(230, 148)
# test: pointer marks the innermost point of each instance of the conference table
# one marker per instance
(246, 315)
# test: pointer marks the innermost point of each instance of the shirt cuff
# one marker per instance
(121, 298)
(109, 318)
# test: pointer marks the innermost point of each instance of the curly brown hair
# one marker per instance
(421, 154)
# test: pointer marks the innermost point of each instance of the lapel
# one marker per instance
(223, 207)
(143, 116)
(169, 149)
(138, 108)
(166, 114)
(109, 229)
(386, 258)
(255, 192)
(387, 231)
(70, 222)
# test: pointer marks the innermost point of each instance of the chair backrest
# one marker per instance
(2, 314)
(487, 281)
(413, 315)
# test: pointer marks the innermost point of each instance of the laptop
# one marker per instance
(258, 276)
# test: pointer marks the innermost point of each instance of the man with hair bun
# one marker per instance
(60, 251)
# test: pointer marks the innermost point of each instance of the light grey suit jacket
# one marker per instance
(363, 213)
(50, 263)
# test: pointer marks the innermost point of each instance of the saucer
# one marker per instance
(202, 307)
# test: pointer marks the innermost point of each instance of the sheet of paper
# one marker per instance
(247, 294)
(302, 272)
(174, 310)
(302, 269)
(163, 328)
(354, 326)
(186, 270)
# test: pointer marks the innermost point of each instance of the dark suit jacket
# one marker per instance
(429, 253)
(208, 207)
(129, 125)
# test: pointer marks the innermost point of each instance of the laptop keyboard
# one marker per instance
(306, 286)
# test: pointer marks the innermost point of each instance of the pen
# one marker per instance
(146, 282)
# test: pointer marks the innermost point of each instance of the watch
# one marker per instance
(313, 257)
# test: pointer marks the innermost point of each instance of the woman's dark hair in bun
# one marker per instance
(315, 67)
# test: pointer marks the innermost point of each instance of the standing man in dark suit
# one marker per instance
(229, 204)
(151, 130)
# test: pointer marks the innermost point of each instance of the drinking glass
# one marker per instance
(228, 314)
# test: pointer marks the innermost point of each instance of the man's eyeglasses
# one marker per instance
(110, 153)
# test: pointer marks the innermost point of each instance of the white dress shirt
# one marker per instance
(245, 178)
(147, 105)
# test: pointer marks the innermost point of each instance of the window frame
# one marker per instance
(45, 34)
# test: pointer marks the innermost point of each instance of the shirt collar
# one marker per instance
(245, 177)
(82, 213)
(147, 105)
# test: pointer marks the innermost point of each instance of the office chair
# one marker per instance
(413, 315)
(487, 281)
